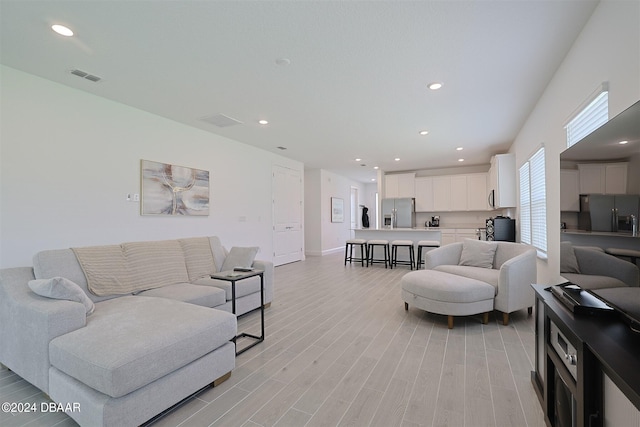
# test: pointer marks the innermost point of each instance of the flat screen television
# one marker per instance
(626, 301)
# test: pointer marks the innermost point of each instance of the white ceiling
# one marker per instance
(356, 83)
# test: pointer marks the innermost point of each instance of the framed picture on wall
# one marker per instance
(173, 190)
(337, 209)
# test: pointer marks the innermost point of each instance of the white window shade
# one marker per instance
(590, 118)
(533, 202)
(538, 200)
(525, 205)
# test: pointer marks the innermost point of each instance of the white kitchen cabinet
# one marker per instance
(465, 233)
(451, 193)
(569, 190)
(603, 178)
(477, 192)
(615, 178)
(441, 193)
(424, 194)
(399, 185)
(502, 181)
(459, 193)
(447, 236)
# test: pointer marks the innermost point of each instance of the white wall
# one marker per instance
(322, 236)
(312, 212)
(607, 49)
(69, 158)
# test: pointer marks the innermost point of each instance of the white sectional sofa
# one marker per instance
(125, 331)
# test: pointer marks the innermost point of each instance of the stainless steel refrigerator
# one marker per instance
(399, 213)
(605, 212)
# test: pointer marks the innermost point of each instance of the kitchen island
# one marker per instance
(444, 235)
(390, 234)
(603, 239)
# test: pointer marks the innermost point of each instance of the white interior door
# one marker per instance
(287, 215)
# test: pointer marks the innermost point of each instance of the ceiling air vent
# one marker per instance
(221, 120)
(85, 75)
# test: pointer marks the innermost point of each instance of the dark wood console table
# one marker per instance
(607, 357)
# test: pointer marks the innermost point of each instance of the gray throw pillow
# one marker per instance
(568, 260)
(239, 257)
(477, 253)
(61, 288)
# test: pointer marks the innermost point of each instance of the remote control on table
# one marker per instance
(242, 269)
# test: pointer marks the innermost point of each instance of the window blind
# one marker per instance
(533, 202)
(525, 205)
(538, 200)
(590, 118)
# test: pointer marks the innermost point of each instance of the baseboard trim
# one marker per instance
(325, 252)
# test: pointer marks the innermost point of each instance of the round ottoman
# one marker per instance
(448, 294)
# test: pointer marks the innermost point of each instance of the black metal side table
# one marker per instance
(236, 276)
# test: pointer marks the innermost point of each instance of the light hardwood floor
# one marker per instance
(340, 350)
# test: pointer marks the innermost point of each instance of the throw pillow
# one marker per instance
(61, 288)
(239, 257)
(568, 260)
(477, 253)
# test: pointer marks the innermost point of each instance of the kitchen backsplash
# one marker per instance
(460, 219)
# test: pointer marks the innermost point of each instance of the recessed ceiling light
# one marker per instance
(263, 122)
(459, 149)
(62, 30)
(373, 179)
(623, 142)
(424, 132)
(376, 167)
(357, 160)
(434, 86)
(461, 160)
(397, 159)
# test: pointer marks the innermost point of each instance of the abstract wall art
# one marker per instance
(337, 209)
(173, 190)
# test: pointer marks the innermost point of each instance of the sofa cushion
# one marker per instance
(105, 268)
(155, 264)
(239, 257)
(206, 296)
(477, 253)
(132, 340)
(439, 286)
(568, 260)
(219, 254)
(592, 281)
(63, 263)
(198, 257)
(487, 275)
(244, 287)
(132, 267)
(61, 288)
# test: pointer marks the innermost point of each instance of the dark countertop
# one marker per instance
(600, 233)
(611, 341)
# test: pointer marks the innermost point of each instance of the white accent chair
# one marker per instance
(512, 270)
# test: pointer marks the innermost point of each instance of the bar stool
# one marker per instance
(425, 244)
(371, 244)
(394, 252)
(348, 251)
